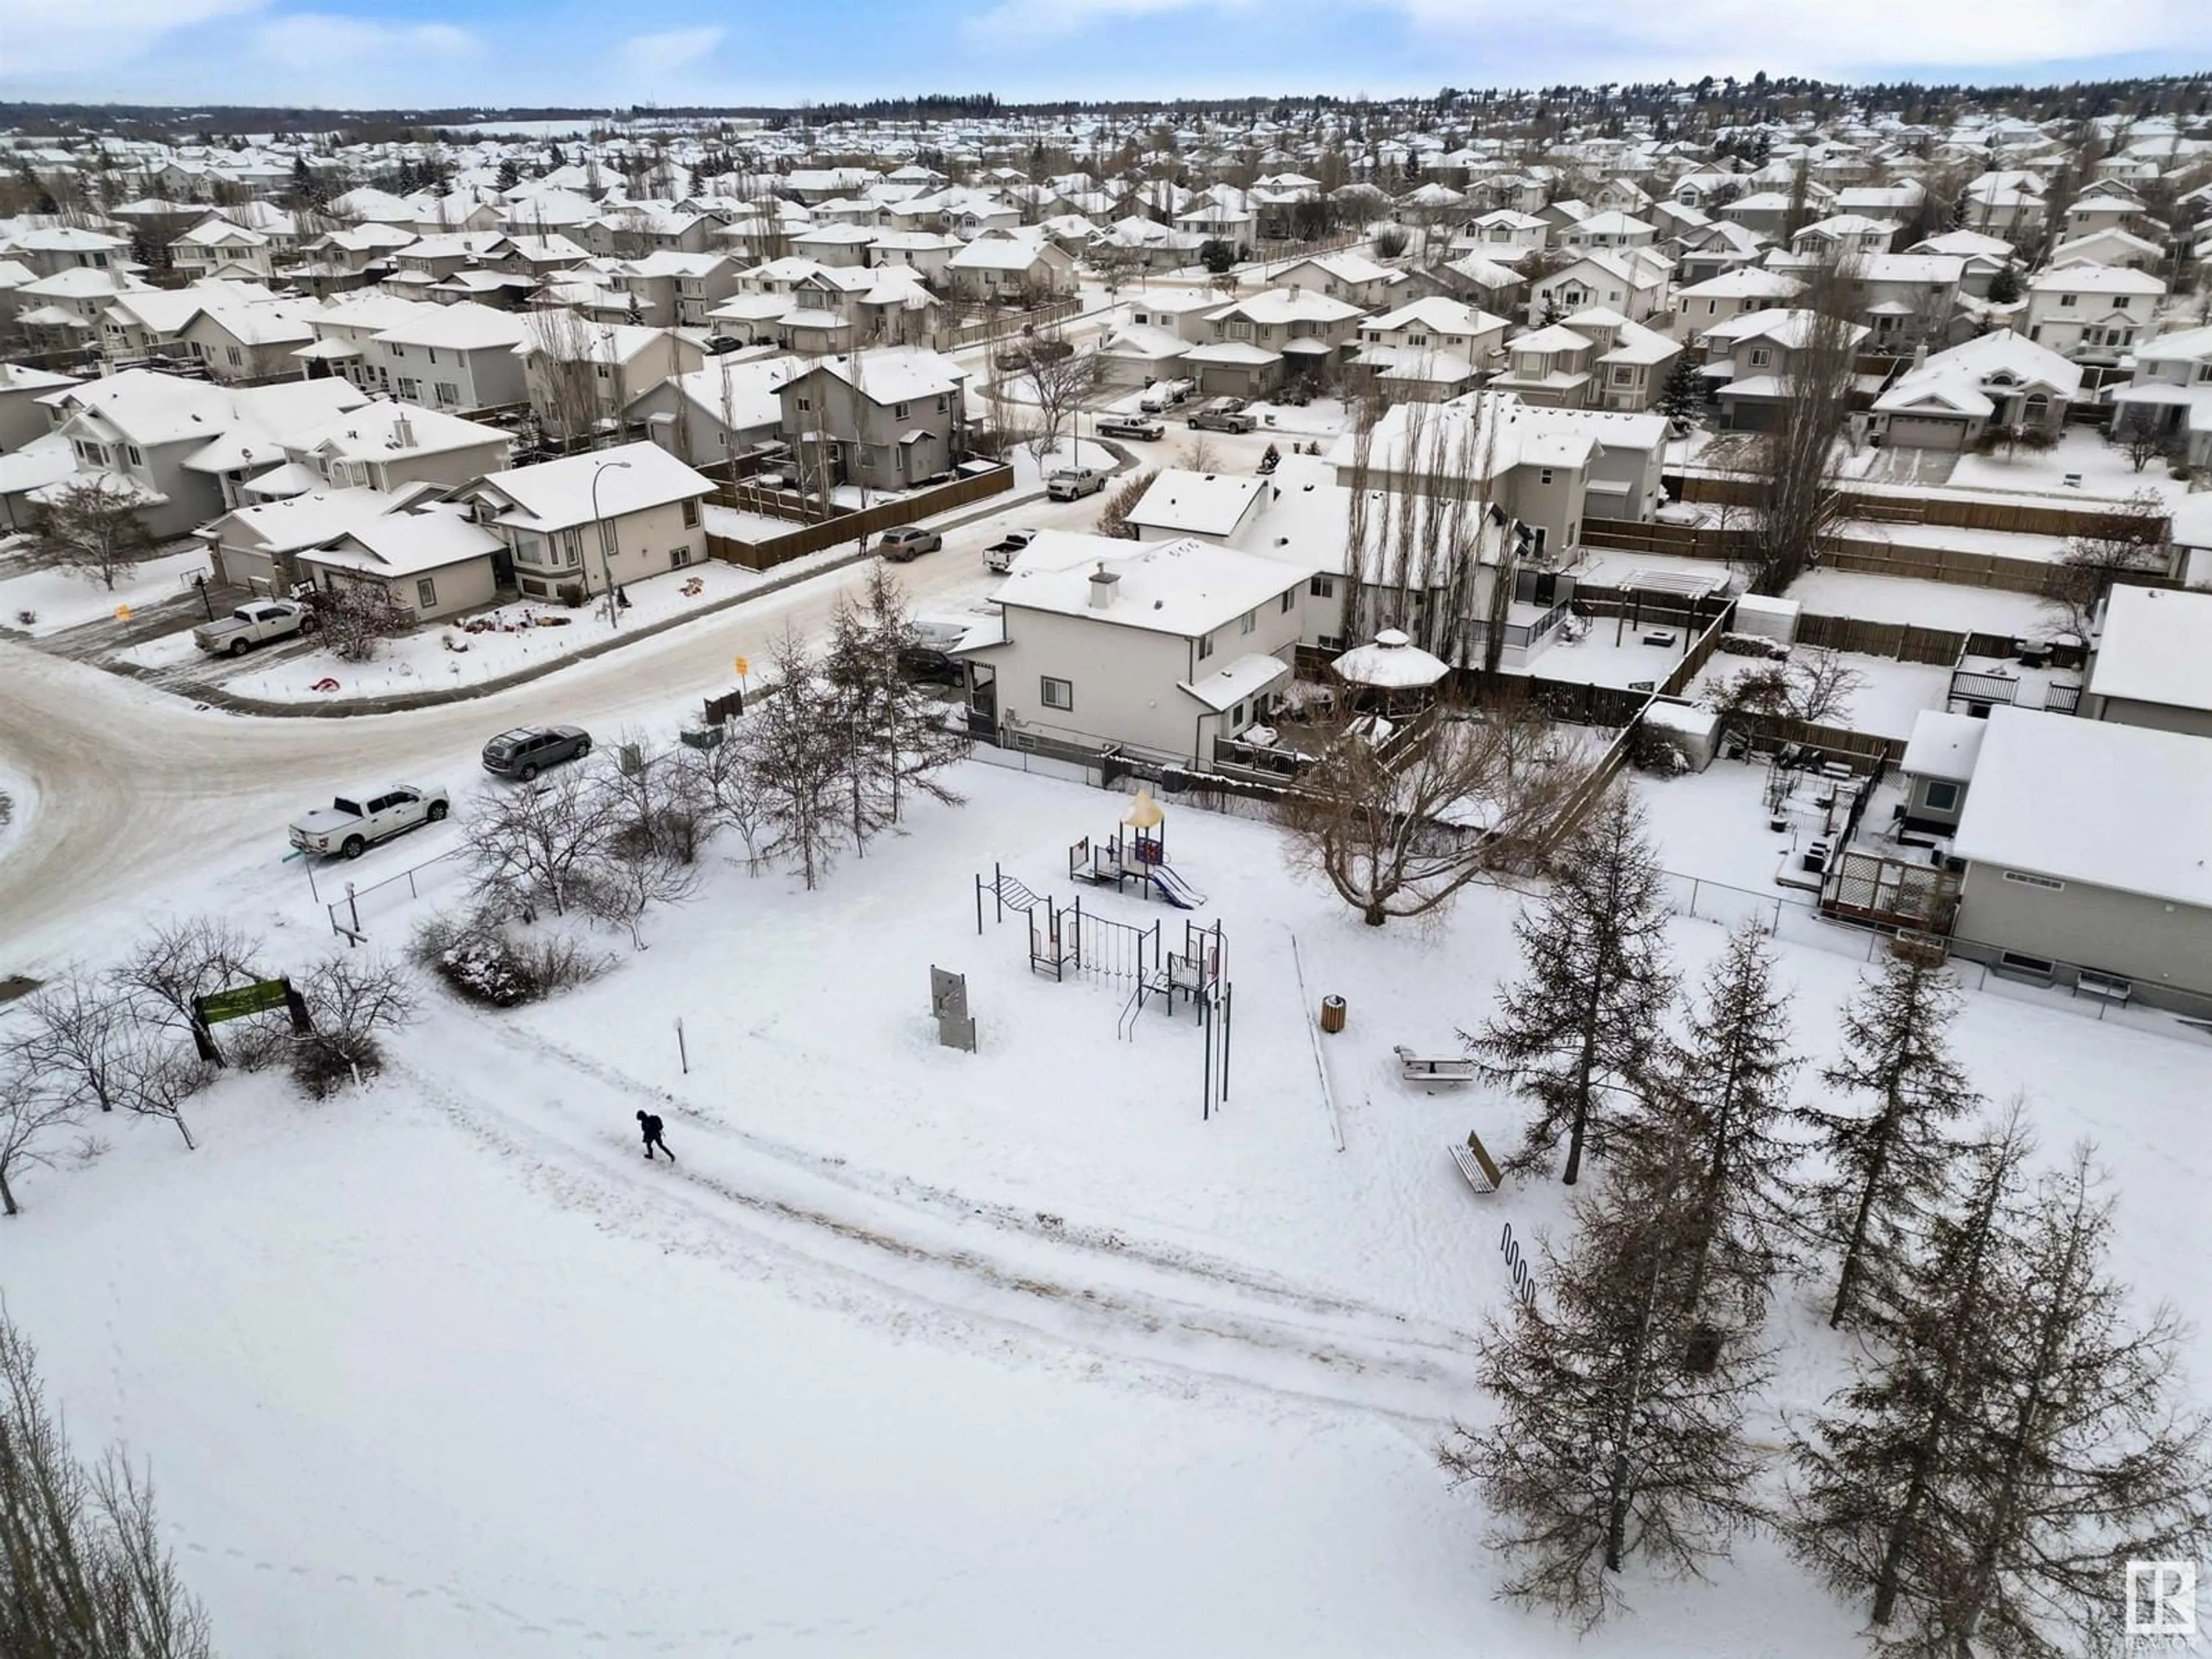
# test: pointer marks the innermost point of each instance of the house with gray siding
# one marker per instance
(2084, 847)
(885, 419)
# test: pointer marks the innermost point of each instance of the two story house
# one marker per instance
(2092, 313)
(1748, 359)
(884, 419)
(2170, 389)
(1433, 348)
(1262, 341)
(1631, 281)
(460, 358)
(574, 526)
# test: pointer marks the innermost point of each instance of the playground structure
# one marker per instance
(1067, 938)
(1141, 856)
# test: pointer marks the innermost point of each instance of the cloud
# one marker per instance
(1819, 37)
(670, 55)
(49, 38)
(1014, 22)
(331, 44)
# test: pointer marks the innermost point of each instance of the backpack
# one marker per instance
(651, 1127)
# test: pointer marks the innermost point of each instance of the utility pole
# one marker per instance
(606, 541)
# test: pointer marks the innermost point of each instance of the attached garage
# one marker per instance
(1926, 431)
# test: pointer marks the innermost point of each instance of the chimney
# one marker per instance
(1102, 583)
(402, 433)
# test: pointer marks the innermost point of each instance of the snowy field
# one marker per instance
(2104, 470)
(62, 598)
(440, 658)
(1890, 695)
(1929, 604)
(917, 1351)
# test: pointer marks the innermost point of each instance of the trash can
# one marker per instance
(1332, 1013)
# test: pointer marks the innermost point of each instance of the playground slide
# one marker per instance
(1173, 888)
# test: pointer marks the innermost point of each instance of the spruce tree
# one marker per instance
(1887, 1165)
(1614, 1438)
(1874, 1505)
(2089, 1461)
(1683, 392)
(1574, 1034)
(1723, 1092)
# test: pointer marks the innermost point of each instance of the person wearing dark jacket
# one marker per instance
(651, 1126)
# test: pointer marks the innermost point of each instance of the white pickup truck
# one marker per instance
(254, 624)
(351, 823)
(1001, 555)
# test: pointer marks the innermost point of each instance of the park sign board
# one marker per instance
(243, 999)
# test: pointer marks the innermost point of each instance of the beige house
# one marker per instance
(615, 515)
(432, 560)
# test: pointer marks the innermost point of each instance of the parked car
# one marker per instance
(1165, 396)
(1223, 414)
(351, 823)
(1129, 426)
(529, 749)
(906, 541)
(1072, 482)
(253, 624)
(1000, 555)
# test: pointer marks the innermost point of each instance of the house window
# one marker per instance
(237, 357)
(433, 354)
(426, 594)
(600, 369)
(1056, 694)
(1943, 797)
(691, 513)
(528, 550)
(2021, 878)
(678, 558)
(2066, 299)
(1290, 599)
(1417, 339)
(449, 395)
(1544, 475)
(1204, 646)
(1761, 357)
(1322, 588)
(898, 411)
(133, 454)
(1248, 621)
(805, 402)
(410, 390)
(1623, 376)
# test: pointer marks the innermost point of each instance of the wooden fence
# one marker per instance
(1959, 511)
(846, 526)
(996, 325)
(1866, 555)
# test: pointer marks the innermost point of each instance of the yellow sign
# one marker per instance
(743, 668)
(123, 613)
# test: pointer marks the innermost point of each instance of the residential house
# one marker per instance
(838, 244)
(2171, 389)
(1999, 382)
(1007, 269)
(1712, 250)
(924, 251)
(2072, 865)
(1749, 360)
(1502, 234)
(1353, 277)
(1768, 211)
(1631, 281)
(1938, 765)
(2109, 247)
(677, 289)
(235, 341)
(715, 414)
(1433, 348)
(2092, 313)
(615, 515)
(459, 358)
(624, 360)
(2104, 205)
(1980, 256)
(1164, 648)
(216, 247)
(389, 446)
(23, 418)
(1736, 292)
(432, 560)
(1267, 339)
(1214, 507)
(884, 420)
(50, 249)
(1846, 235)
(1905, 300)
(258, 546)
(2004, 202)
(1609, 229)
(2149, 667)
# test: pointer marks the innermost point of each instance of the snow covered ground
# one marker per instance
(1032, 467)
(916, 1351)
(1929, 605)
(61, 599)
(1890, 696)
(2105, 469)
(429, 660)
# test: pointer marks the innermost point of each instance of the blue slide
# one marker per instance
(1173, 888)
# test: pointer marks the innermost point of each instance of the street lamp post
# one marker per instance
(606, 540)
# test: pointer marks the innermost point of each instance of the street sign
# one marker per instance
(743, 668)
(123, 613)
(240, 1001)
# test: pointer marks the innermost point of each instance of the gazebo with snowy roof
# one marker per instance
(1399, 673)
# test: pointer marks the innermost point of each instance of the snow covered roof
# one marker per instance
(1198, 503)
(2152, 649)
(407, 543)
(557, 494)
(2118, 806)
(1391, 663)
(1244, 677)
(1959, 379)
(1943, 746)
(292, 522)
(1185, 587)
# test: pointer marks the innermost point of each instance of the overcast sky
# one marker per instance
(414, 53)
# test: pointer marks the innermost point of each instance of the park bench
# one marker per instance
(2108, 987)
(1434, 1068)
(1476, 1164)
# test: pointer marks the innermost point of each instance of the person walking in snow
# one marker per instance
(651, 1126)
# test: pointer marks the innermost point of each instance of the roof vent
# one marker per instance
(1102, 583)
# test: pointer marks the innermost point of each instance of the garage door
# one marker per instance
(1924, 432)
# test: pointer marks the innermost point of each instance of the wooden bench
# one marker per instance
(2108, 987)
(1476, 1164)
(1434, 1068)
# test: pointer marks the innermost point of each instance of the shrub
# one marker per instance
(482, 960)
(1751, 645)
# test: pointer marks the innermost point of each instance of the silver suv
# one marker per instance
(529, 749)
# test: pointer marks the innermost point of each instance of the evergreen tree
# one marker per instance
(1722, 1092)
(1872, 1510)
(2004, 286)
(1579, 1024)
(913, 742)
(2089, 1461)
(508, 175)
(1886, 1168)
(1614, 1438)
(1683, 393)
(798, 761)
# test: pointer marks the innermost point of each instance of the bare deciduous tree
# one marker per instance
(1059, 384)
(356, 617)
(1815, 685)
(1792, 469)
(537, 844)
(1120, 502)
(93, 527)
(1466, 797)
(564, 393)
(31, 1113)
(158, 1078)
(83, 1570)
(2130, 541)
(178, 962)
(353, 1001)
(78, 1034)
